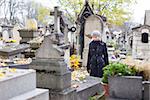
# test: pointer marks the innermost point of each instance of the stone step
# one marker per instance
(20, 82)
(37, 94)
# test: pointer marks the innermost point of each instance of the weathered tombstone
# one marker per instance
(5, 35)
(29, 32)
(16, 35)
(125, 87)
(52, 72)
(92, 23)
(7, 32)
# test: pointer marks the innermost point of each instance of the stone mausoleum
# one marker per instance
(141, 39)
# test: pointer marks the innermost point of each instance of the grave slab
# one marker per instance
(13, 50)
(89, 88)
(17, 84)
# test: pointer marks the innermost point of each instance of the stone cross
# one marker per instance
(56, 15)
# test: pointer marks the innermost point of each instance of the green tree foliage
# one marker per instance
(43, 14)
(116, 11)
(39, 12)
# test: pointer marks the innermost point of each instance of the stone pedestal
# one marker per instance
(28, 35)
(52, 74)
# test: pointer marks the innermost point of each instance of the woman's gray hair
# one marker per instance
(96, 33)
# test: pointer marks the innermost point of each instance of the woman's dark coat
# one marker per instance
(97, 58)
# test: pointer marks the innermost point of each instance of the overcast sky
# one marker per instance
(139, 10)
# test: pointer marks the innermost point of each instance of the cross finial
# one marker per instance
(56, 13)
(86, 2)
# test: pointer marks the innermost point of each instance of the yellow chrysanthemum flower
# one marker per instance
(74, 62)
(13, 70)
(2, 75)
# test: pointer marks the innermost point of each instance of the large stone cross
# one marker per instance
(56, 13)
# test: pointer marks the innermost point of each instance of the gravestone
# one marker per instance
(125, 87)
(52, 72)
(16, 35)
(92, 23)
(30, 31)
(5, 35)
(28, 35)
(7, 32)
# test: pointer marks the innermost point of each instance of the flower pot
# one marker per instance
(106, 89)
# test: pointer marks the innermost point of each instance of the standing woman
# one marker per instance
(97, 56)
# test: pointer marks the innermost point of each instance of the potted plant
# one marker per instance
(115, 69)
